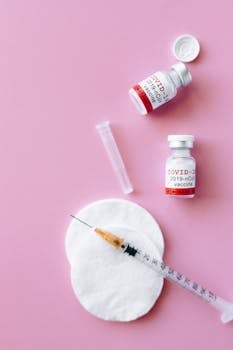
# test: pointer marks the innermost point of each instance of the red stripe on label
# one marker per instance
(143, 96)
(180, 191)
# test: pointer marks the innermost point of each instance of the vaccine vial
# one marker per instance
(159, 88)
(180, 179)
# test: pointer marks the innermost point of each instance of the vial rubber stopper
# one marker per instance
(181, 141)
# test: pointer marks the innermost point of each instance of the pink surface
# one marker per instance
(65, 66)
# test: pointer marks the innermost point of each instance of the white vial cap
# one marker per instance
(181, 141)
(183, 73)
(186, 48)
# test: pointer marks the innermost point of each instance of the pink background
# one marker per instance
(66, 65)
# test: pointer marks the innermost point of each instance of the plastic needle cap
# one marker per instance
(113, 153)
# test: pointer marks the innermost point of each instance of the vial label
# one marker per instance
(154, 91)
(180, 180)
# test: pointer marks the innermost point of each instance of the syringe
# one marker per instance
(167, 272)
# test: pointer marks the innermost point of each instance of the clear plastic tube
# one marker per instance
(112, 150)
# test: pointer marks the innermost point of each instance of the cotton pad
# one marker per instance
(109, 284)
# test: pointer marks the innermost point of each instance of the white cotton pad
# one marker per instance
(109, 284)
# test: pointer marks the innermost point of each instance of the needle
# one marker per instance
(83, 222)
(114, 240)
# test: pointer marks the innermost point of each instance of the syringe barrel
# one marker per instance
(170, 274)
(167, 272)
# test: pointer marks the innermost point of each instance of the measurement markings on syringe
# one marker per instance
(176, 277)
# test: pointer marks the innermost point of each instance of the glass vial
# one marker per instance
(180, 179)
(159, 88)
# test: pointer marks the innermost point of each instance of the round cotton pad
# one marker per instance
(109, 284)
